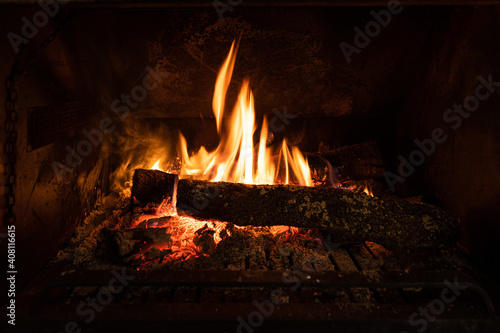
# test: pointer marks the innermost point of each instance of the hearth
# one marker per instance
(248, 166)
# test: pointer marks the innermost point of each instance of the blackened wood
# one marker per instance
(350, 217)
(152, 186)
(127, 242)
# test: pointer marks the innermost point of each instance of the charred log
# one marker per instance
(128, 244)
(152, 186)
(351, 217)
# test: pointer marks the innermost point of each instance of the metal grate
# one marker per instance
(359, 292)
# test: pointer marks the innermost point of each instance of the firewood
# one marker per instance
(156, 222)
(350, 217)
(152, 186)
(129, 242)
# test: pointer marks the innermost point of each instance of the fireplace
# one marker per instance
(250, 166)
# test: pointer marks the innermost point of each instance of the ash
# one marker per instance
(206, 244)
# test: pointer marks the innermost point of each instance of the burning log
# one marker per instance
(156, 222)
(352, 217)
(152, 186)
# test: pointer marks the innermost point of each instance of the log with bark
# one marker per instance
(152, 186)
(401, 226)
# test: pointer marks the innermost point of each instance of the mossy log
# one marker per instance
(350, 217)
(152, 186)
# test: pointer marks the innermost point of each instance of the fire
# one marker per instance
(156, 166)
(236, 159)
(368, 189)
(193, 238)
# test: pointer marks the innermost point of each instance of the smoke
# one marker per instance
(140, 143)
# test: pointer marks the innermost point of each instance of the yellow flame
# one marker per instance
(265, 175)
(221, 85)
(300, 167)
(368, 189)
(156, 166)
(234, 158)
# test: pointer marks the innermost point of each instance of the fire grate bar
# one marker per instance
(271, 279)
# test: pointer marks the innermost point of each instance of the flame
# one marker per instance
(156, 166)
(236, 159)
(221, 86)
(368, 189)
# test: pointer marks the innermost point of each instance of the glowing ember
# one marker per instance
(234, 158)
(193, 238)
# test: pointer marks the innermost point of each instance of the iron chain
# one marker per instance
(17, 70)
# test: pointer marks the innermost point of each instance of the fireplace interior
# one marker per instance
(392, 105)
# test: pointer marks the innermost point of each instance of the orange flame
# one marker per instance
(368, 189)
(233, 159)
(156, 166)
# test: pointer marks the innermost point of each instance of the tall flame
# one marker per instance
(221, 85)
(233, 159)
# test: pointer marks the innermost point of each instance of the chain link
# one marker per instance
(17, 70)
